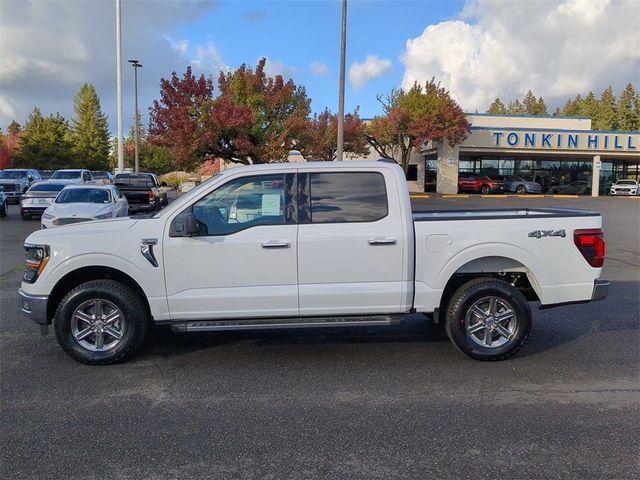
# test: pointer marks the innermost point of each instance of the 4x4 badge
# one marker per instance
(547, 233)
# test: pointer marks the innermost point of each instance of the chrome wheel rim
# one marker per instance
(491, 322)
(97, 325)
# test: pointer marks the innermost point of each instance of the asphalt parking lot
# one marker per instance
(396, 402)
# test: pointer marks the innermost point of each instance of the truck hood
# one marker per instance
(84, 229)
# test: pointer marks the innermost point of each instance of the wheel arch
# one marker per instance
(95, 272)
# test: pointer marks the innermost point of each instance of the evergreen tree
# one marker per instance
(497, 107)
(90, 129)
(627, 119)
(636, 109)
(589, 106)
(541, 108)
(515, 108)
(530, 103)
(45, 143)
(605, 118)
(13, 128)
(573, 107)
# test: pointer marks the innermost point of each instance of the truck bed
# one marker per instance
(499, 213)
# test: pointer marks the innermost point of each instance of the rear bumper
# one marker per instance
(600, 290)
(34, 307)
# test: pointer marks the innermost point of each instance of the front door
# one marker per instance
(242, 262)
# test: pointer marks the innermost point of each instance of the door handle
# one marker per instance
(382, 241)
(275, 244)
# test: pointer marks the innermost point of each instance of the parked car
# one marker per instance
(75, 175)
(326, 244)
(580, 187)
(4, 203)
(143, 191)
(625, 187)
(45, 174)
(480, 184)
(16, 181)
(102, 177)
(39, 197)
(519, 185)
(82, 203)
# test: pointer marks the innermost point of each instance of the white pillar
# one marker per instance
(595, 176)
(447, 177)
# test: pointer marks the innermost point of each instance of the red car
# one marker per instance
(480, 184)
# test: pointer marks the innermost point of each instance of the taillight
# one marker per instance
(150, 194)
(590, 242)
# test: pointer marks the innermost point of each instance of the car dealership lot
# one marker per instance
(363, 403)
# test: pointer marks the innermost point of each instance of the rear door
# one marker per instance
(350, 243)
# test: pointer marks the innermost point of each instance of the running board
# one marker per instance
(303, 322)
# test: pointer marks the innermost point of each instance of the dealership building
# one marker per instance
(549, 150)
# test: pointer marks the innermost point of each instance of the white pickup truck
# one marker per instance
(308, 245)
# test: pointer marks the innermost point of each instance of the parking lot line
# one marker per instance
(565, 196)
(531, 196)
(494, 196)
(455, 195)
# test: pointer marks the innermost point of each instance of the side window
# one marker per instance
(116, 193)
(246, 202)
(85, 176)
(347, 197)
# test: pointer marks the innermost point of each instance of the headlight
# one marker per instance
(48, 216)
(36, 258)
(103, 216)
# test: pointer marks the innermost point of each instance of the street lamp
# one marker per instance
(136, 64)
(343, 48)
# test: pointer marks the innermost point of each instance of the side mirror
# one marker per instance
(30, 178)
(184, 225)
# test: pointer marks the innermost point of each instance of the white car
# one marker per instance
(79, 175)
(81, 203)
(625, 187)
(319, 244)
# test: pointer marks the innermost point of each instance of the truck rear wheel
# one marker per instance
(488, 319)
(101, 322)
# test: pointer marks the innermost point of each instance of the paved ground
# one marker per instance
(366, 403)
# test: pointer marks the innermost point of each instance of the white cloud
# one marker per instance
(273, 68)
(208, 58)
(556, 49)
(318, 68)
(49, 49)
(372, 67)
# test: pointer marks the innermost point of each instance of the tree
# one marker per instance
(154, 158)
(45, 143)
(573, 107)
(589, 106)
(515, 108)
(541, 108)
(626, 118)
(320, 140)
(90, 130)
(173, 120)
(416, 117)
(14, 128)
(605, 118)
(8, 146)
(530, 103)
(497, 107)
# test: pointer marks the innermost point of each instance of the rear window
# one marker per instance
(347, 197)
(99, 175)
(47, 187)
(137, 181)
(68, 175)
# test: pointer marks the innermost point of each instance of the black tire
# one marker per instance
(459, 315)
(133, 328)
(3, 208)
(485, 189)
(521, 189)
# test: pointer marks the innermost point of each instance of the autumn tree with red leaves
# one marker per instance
(254, 119)
(320, 139)
(415, 117)
(9, 144)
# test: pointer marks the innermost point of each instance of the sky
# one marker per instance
(477, 49)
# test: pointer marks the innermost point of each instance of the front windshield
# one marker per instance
(193, 192)
(83, 195)
(59, 175)
(13, 175)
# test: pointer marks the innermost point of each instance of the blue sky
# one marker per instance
(477, 49)
(297, 33)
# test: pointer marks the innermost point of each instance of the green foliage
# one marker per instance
(605, 117)
(627, 117)
(14, 128)
(90, 130)
(589, 106)
(497, 107)
(45, 143)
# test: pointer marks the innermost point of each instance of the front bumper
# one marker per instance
(600, 290)
(34, 307)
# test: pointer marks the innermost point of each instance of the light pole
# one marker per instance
(343, 48)
(136, 64)
(119, 88)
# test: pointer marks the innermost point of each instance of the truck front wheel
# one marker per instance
(488, 319)
(101, 322)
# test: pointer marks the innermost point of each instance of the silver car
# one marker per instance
(520, 185)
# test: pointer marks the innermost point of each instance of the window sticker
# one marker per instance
(271, 204)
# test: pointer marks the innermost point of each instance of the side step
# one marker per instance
(274, 323)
